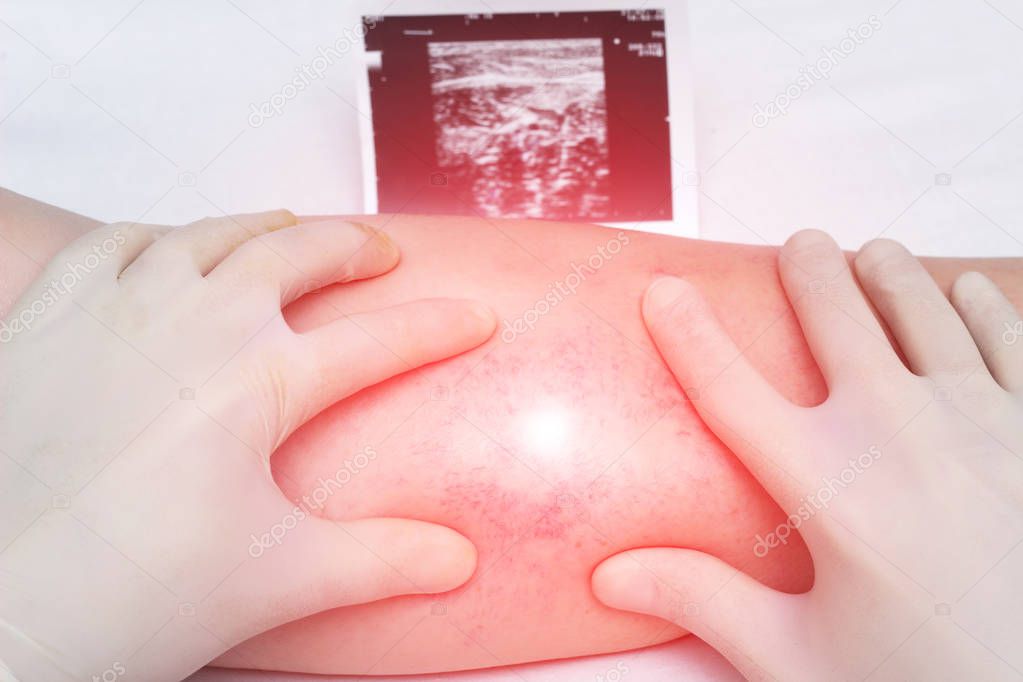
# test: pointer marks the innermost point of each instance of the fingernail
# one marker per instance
(621, 583)
(270, 221)
(381, 240)
(285, 218)
(663, 294)
(484, 314)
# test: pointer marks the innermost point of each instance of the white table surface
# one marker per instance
(110, 107)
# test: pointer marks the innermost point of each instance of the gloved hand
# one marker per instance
(906, 484)
(147, 391)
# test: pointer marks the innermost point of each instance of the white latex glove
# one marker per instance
(149, 399)
(906, 486)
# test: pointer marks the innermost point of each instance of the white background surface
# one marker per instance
(105, 105)
(159, 88)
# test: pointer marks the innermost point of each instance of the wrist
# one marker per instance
(6, 674)
(56, 626)
(109, 620)
(22, 658)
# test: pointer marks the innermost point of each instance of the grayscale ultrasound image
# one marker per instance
(548, 115)
(523, 125)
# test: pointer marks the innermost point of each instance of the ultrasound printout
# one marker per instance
(560, 116)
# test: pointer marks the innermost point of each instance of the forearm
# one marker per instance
(31, 232)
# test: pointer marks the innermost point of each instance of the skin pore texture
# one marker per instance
(559, 442)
